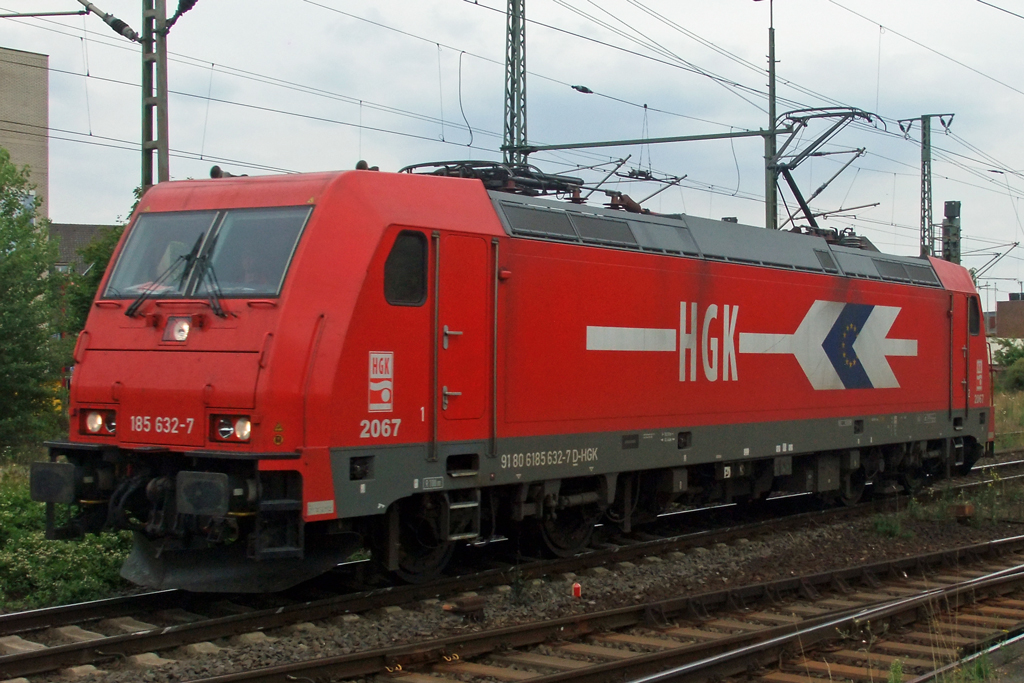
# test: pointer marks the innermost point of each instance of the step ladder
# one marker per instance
(463, 513)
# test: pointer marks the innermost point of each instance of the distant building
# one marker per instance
(1010, 318)
(990, 324)
(71, 237)
(24, 115)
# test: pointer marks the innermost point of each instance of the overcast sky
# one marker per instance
(308, 85)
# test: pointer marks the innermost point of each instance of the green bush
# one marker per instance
(35, 572)
(896, 672)
(1008, 352)
(1012, 378)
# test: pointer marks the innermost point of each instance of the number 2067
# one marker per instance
(378, 428)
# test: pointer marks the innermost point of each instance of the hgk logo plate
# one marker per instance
(382, 381)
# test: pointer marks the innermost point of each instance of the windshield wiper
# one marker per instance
(189, 260)
(215, 292)
(208, 277)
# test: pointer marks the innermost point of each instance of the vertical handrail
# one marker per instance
(494, 358)
(318, 330)
(435, 238)
(967, 358)
(952, 341)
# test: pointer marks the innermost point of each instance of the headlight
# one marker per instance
(94, 421)
(225, 429)
(100, 422)
(231, 428)
(242, 428)
(177, 328)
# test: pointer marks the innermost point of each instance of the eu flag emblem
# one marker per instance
(839, 343)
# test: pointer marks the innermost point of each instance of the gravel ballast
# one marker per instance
(766, 558)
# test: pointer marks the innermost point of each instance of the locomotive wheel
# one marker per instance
(913, 479)
(422, 551)
(569, 532)
(857, 485)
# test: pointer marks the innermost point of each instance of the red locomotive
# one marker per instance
(278, 370)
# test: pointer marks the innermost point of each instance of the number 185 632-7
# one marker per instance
(163, 425)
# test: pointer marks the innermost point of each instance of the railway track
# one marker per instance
(47, 640)
(923, 611)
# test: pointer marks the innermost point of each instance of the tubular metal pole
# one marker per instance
(148, 99)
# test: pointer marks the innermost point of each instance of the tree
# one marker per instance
(30, 353)
(96, 257)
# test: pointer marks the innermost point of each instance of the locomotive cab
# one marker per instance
(182, 429)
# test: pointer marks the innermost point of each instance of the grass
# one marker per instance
(891, 526)
(1009, 418)
(35, 572)
(977, 670)
(998, 500)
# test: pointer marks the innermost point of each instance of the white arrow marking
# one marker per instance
(871, 347)
(805, 344)
(630, 339)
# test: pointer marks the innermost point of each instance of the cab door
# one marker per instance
(977, 354)
(967, 357)
(463, 339)
(959, 358)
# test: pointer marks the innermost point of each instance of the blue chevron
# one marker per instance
(838, 346)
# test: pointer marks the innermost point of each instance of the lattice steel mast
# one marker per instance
(154, 92)
(927, 225)
(515, 82)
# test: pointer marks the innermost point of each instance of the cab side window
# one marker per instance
(973, 316)
(405, 271)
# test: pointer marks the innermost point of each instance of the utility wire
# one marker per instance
(930, 49)
(261, 78)
(127, 145)
(1001, 9)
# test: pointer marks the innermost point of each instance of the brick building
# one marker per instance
(70, 238)
(24, 114)
(1010, 318)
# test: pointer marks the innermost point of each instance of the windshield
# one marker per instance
(155, 256)
(245, 252)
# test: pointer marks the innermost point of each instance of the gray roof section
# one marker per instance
(693, 237)
(70, 238)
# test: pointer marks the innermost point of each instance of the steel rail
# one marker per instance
(418, 654)
(901, 610)
(61, 615)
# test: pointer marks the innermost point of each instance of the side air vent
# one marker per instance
(539, 222)
(921, 274)
(603, 230)
(826, 261)
(890, 270)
